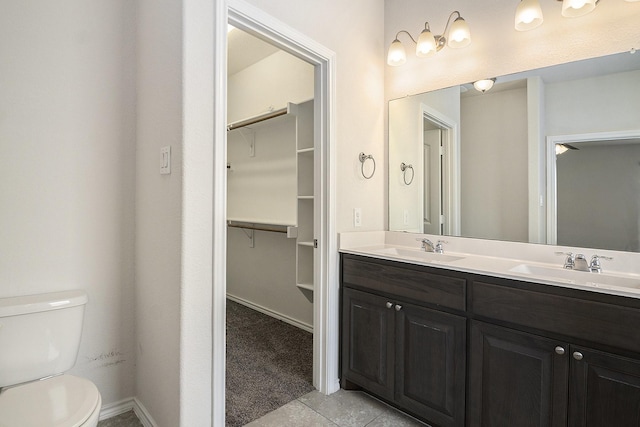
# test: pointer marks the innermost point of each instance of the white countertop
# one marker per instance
(519, 261)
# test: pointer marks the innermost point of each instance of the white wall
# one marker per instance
(67, 158)
(575, 107)
(158, 209)
(289, 80)
(353, 31)
(496, 47)
(493, 166)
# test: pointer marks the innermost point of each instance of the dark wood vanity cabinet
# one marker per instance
(458, 349)
(516, 379)
(520, 379)
(403, 351)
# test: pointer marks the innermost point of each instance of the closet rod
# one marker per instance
(257, 119)
(276, 228)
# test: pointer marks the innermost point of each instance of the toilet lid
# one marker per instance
(61, 401)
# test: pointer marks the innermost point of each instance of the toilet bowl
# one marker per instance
(60, 401)
(39, 338)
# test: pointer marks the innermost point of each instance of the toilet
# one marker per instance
(39, 342)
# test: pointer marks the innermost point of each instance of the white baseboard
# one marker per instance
(269, 312)
(132, 403)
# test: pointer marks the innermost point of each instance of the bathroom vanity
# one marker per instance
(460, 339)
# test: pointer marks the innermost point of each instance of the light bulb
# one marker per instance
(575, 8)
(397, 55)
(528, 15)
(426, 45)
(459, 34)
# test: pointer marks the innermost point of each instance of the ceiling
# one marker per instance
(245, 50)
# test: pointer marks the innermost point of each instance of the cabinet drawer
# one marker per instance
(590, 320)
(408, 281)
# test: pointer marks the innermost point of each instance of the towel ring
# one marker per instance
(403, 168)
(363, 158)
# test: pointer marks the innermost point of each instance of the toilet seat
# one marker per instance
(60, 401)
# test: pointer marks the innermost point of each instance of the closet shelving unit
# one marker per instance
(303, 231)
(305, 152)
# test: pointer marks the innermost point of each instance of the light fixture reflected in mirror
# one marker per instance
(457, 36)
(484, 85)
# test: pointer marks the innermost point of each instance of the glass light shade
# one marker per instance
(426, 45)
(483, 85)
(528, 15)
(575, 8)
(561, 148)
(397, 55)
(459, 34)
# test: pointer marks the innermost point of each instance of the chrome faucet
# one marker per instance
(569, 261)
(595, 266)
(581, 263)
(578, 262)
(428, 246)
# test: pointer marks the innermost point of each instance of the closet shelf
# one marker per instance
(305, 197)
(305, 150)
(259, 118)
(306, 286)
(306, 243)
(290, 230)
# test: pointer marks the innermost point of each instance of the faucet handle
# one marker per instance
(439, 246)
(594, 265)
(570, 261)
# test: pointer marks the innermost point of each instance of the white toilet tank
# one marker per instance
(39, 335)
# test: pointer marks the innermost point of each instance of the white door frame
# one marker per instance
(451, 166)
(552, 174)
(326, 313)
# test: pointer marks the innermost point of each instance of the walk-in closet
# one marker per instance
(270, 228)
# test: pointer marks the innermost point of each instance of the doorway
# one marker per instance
(325, 313)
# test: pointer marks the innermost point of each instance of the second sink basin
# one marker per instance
(416, 254)
(578, 277)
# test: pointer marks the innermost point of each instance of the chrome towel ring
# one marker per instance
(403, 168)
(363, 158)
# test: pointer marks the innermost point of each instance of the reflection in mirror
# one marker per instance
(483, 167)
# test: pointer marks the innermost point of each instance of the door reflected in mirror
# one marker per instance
(481, 160)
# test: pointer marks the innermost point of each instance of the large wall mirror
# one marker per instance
(544, 156)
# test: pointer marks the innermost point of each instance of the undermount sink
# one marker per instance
(578, 277)
(417, 254)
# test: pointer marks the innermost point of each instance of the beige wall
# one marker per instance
(67, 157)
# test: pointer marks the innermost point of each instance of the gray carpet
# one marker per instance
(269, 363)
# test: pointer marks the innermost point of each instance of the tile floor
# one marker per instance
(128, 419)
(341, 409)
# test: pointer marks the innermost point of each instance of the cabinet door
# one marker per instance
(516, 379)
(367, 341)
(605, 390)
(430, 364)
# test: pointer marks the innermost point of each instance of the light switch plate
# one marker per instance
(165, 160)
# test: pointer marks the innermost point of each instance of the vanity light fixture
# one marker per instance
(457, 36)
(484, 85)
(529, 13)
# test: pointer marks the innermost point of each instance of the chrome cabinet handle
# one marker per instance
(389, 304)
(560, 350)
(398, 307)
(577, 355)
